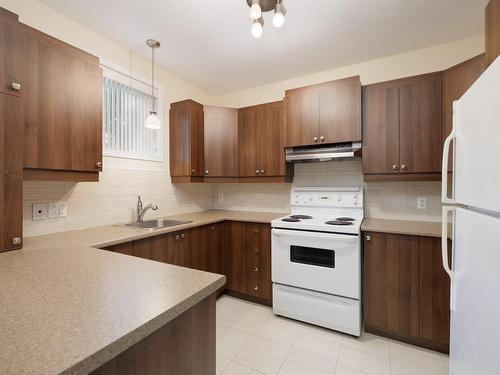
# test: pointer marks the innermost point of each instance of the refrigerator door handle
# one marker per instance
(446, 152)
(444, 243)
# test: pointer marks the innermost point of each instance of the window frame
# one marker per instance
(129, 75)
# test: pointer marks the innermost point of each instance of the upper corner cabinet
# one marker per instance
(187, 141)
(325, 113)
(402, 129)
(63, 110)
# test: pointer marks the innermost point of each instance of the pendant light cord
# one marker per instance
(153, 78)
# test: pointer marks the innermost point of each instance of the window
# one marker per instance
(125, 110)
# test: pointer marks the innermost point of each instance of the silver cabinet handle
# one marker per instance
(322, 139)
(16, 86)
(193, 171)
(16, 240)
(98, 164)
(404, 167)
(315, 139)
(206, 171)
(256, 269)
(394, 167)
(368, 238)
(257, 171)
(256, 288)
(177, 237)
(182, 236)
(261, 171)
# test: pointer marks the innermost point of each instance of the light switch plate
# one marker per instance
(58, 209)
(40, 211)
(421, 203)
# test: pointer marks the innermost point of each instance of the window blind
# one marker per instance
(125, 110)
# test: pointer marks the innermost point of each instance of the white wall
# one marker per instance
(113, 198)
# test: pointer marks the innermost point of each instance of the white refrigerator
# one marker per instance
(474, 205)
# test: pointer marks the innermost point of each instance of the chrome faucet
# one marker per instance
(141, 211)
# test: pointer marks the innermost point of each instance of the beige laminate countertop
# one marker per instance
(67, 307)
(416, 228)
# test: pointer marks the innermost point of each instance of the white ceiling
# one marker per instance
(208, 42)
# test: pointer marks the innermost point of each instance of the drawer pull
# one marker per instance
(256, 269)
(256, 287)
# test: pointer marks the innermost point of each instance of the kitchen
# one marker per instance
(181, 213)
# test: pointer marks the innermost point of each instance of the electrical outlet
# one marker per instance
(40, 211)
(58, 209)
(221, 197)
(421, 203)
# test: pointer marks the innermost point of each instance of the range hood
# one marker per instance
(335, 152)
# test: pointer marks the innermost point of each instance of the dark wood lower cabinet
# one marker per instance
(194, 248)
(406, 290)
(249, 264)
(186, 346)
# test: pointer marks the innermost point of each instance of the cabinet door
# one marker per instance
(63, 106)
(381, 129)
(391, 283)
(165, 248)
(142, 248)
(11, 172)
(238, 279)
(186, 139)
(221, 141)
(434, 294)
(194, 249)
(302, 117)
(249, 121)
(272, 133)
(340, 111)
(420, 122)
(217, 241)
(11, 49)
(264, 262)
(456, 81)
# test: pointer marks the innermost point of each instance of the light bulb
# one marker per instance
(255, 10)
(153, 121)
(257, 29)
(278, 19)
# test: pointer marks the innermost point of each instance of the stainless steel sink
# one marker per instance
(155, 224)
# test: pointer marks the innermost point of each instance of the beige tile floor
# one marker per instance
(253, 341)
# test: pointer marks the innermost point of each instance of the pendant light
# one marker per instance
(153, 121)
(255, 10)
(279, 14)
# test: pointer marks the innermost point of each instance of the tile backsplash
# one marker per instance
(387, 200)
(114, 198)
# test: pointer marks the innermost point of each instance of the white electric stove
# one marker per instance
(316, 258)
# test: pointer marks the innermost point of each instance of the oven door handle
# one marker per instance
(315, 235)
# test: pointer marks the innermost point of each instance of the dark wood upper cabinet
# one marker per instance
(186, 139)
(63, 106)
(261, 141)
(403, 128)
(406, 290)
(324, 113)
(420, 122)
(381, 129)
(492, 32)
(12, 76)
(456, 81)
(11, 171)
(221, 141)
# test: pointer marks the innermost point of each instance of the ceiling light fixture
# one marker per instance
(279, 14)
(257, 28)
(153, 121)
(257, 10)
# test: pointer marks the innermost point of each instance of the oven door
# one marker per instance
(324, 262)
